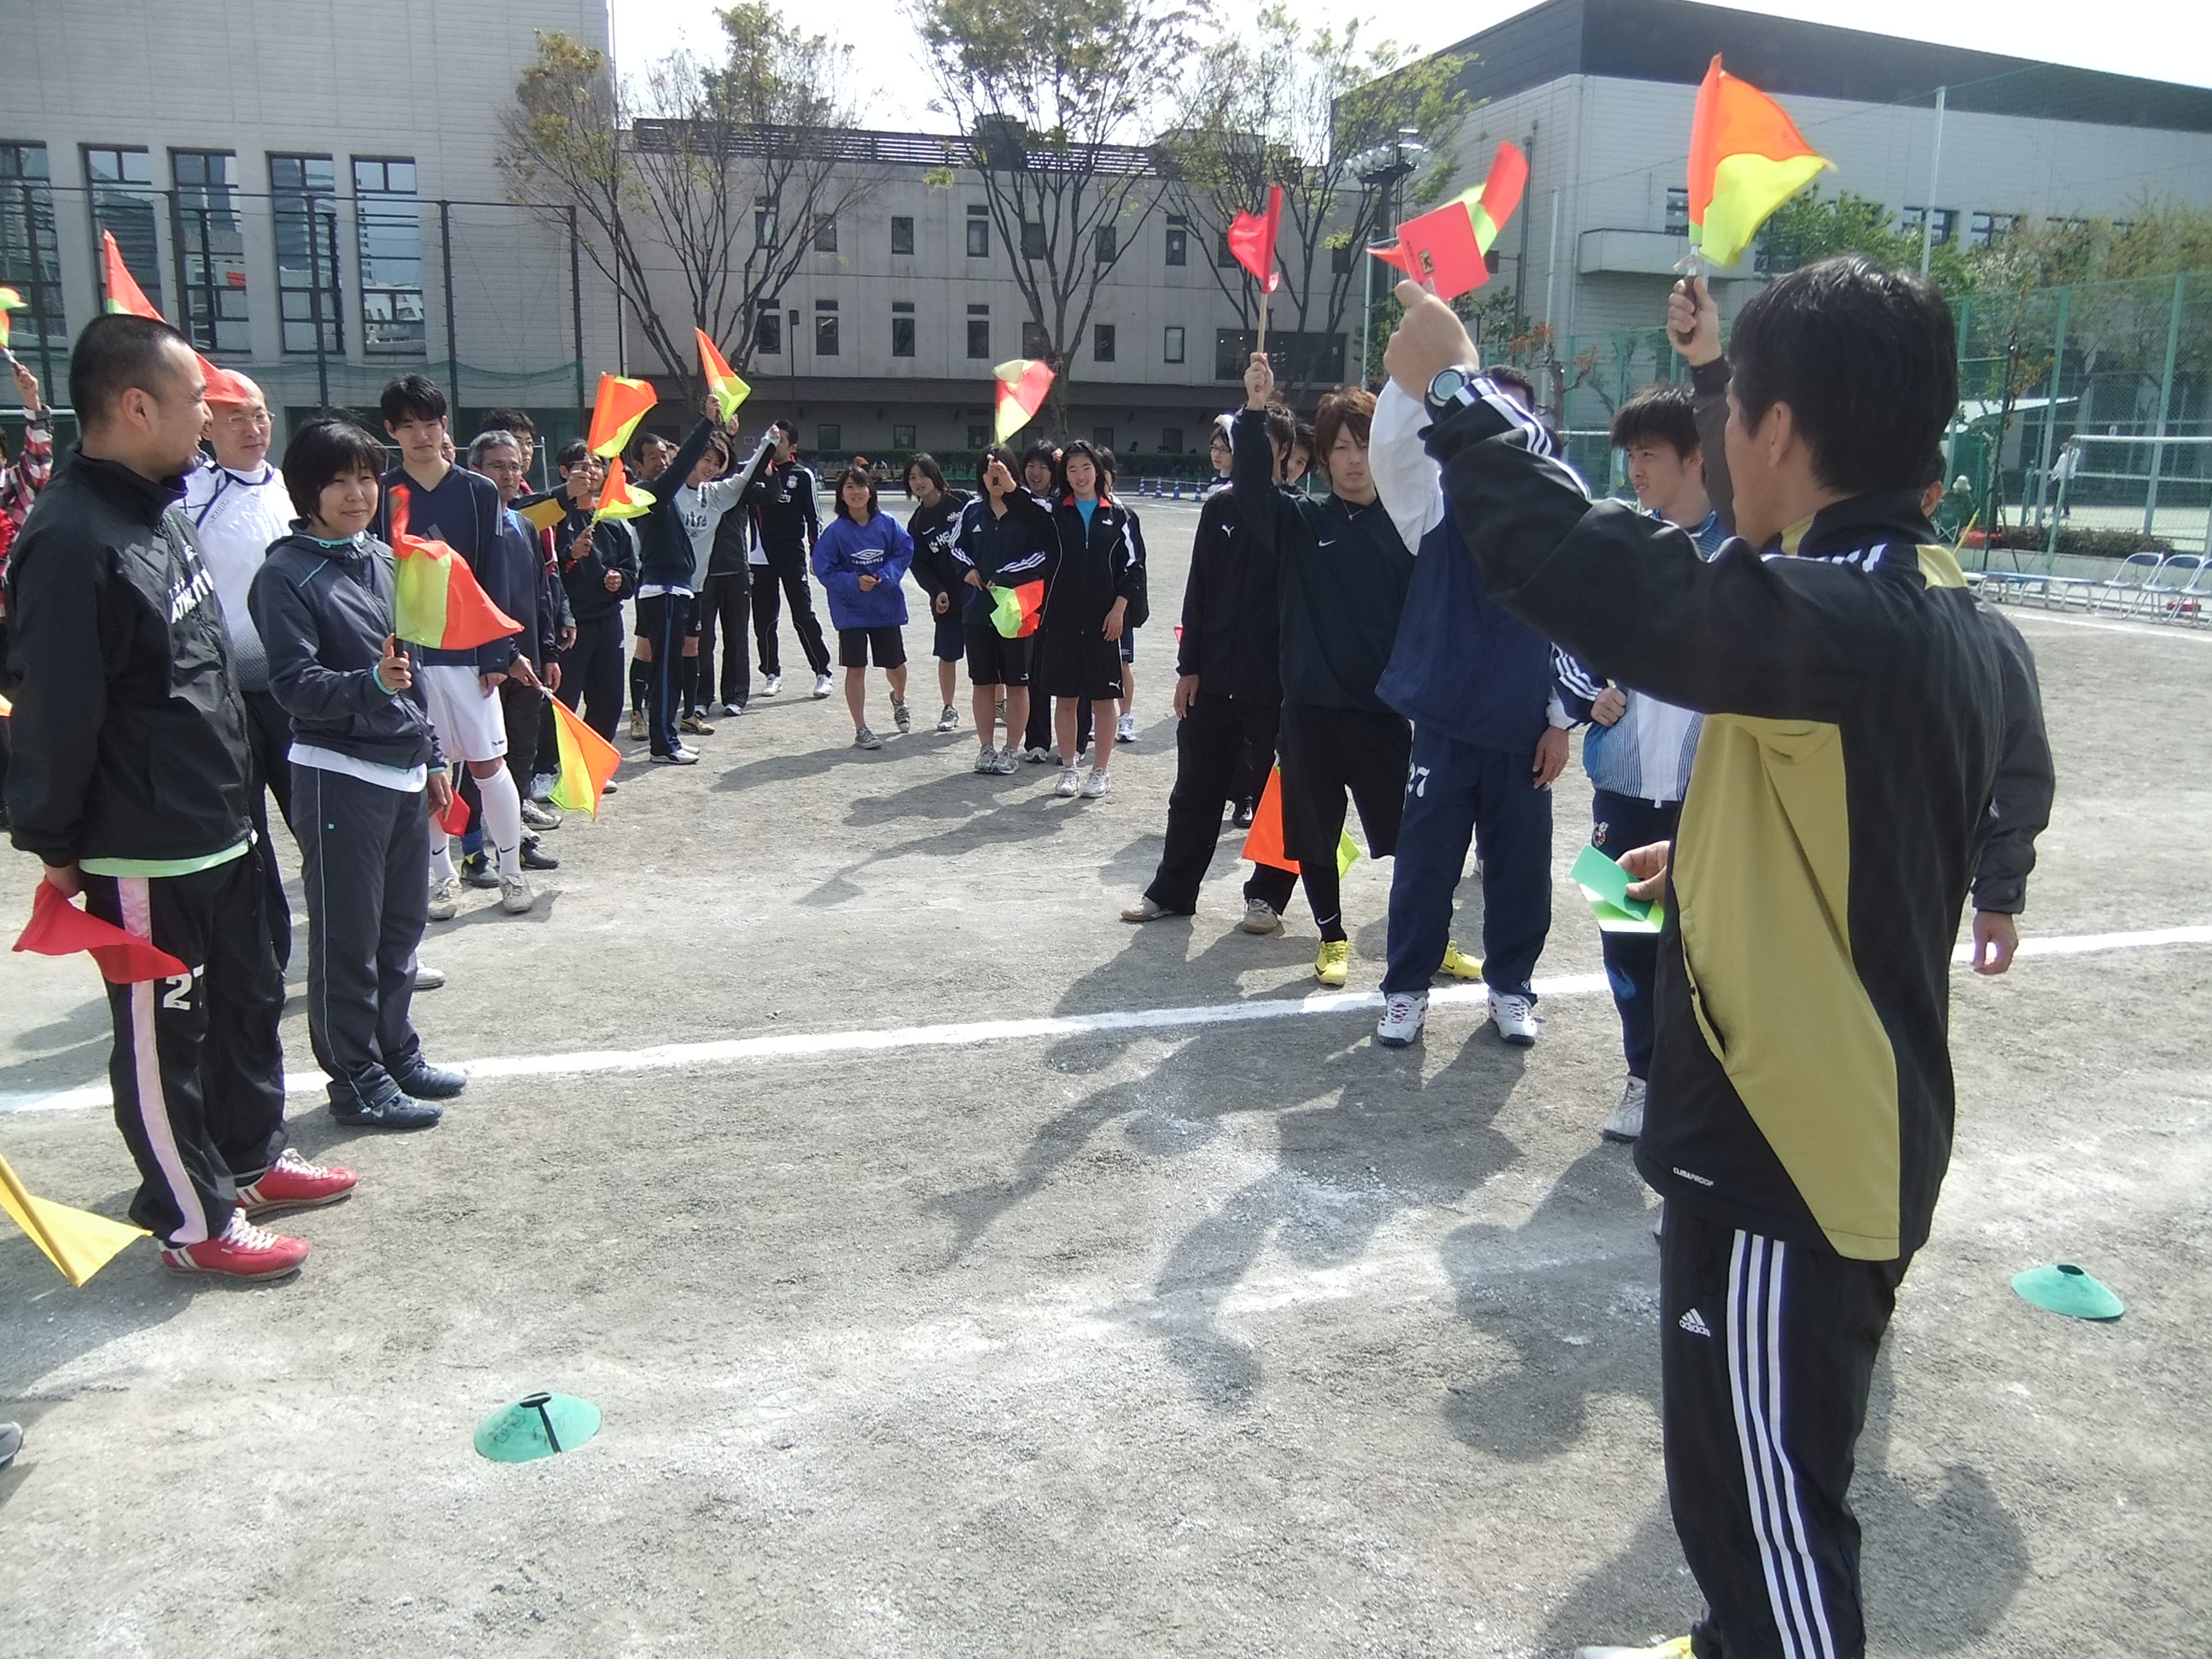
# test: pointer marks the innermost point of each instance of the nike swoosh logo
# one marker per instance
(1329, 544)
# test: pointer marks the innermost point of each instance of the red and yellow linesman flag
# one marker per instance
(10, 300)
(619, 498)
(721, 380)
(1023, 384)
(615, 412)
(435, 600)
(1747, 159)
(587, 761)
(1264, 842)
(1448, 247)
(77, 1242)
(124, 295)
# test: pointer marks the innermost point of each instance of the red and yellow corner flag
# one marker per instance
(721, 380)
(1015, 612)
(1448, 247)
(1252, 240)
(435, 600)
(587, 761)
(615, 412)
(121, 288)
(1747, 159)
(619, 498)
(77, 1242)
(1022, 383)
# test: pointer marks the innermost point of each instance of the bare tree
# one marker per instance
(1055, 100)
(728, 169)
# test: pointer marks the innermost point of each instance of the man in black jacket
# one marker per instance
(1228, 698)
(1799, 1119)
(129, 782)
(786, 522)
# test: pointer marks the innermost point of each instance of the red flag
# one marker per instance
(1252, 240)
(1446, 248)
(59, 928)
(124, 292)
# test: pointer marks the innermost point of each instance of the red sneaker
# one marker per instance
(293, 1183)
(244, 1251)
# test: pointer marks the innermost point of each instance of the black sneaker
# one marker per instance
(477, 871)
(392, 1111)
(429, 1082)
(534, 859)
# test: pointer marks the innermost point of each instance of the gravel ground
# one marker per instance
(1114, 1338)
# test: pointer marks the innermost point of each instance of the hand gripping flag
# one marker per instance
(435, 600)
(721, 380)
(77, 1242)
(124, 295)
(1447, 248)
(1252, 240)
(59, 928)
(1747, 159)
(1022, 383)
(1015, 612)
(587, 761)
(615, 412)
(619, 498)
(1264, 842)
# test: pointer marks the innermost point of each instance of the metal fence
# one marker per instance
(322, 288)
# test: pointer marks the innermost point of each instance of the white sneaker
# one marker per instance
(445, 898)
(1678, 1648)
(1515, 1016)
(821, 685)
(1068, 784)
(732, 710)
(678, 757)
(900, 718)
(1125, 729)
(770, 685)
(542, 785)
(1041, 757)
(950, 719)
(1098, 784)
(514, 895)
(1260, 917)
(1627, 1122)
(986, 762)
(864, 738)
(1007, 764)
(428, 978)
(1403, 1016)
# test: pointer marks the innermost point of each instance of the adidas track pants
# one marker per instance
(1766, 1353)
(198, 1070)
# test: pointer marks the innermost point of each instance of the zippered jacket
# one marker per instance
(1092, 565)
(846, 551)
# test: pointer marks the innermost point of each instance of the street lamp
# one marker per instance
(1380, 170)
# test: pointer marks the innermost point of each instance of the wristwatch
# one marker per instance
(1453, 388)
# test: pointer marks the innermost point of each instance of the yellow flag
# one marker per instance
(77, 1242)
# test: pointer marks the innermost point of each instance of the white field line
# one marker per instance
(2141, 631)
(804, 1045)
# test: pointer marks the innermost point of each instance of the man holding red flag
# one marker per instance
(130, 781)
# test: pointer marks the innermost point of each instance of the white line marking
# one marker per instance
(2147, 630)
(801, 1045)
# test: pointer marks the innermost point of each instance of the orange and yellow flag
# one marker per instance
(721, 380)
(1747, 159)
(619, 407)
(587, 761)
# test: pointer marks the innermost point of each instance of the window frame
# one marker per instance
(1102, 343)
(825, 311)
(209, 305)
(978, 231)
(125, 206)
(369, 221)
(901, 225)
(310, 213)
(1175, 344)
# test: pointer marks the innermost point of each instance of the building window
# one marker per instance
(825, 328)
(211, 248)
(304, 213)
(763, 221)
(767, 332)
(978, 231)
(902, 328)
(1032, 239)
(1101, 342)
(1106, 243)
(1678, 211)
(1913, 220)
(1033, 340)
(829, 438)
(1102, 436)
(1178, 239)
(1171, 345)
(121, 182)
(1222, 257)
(825, 233)
(1989, 228)
(902, 233)
(1310, 358)
(903, 438)
(978, 437)
(979, 332)
(390, 221)
(1340, 255)
(30, 258)
(1170, 441)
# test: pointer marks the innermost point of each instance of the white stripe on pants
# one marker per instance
(133, 894)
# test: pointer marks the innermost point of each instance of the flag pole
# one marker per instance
(1263, 320)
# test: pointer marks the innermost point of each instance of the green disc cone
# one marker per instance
(2066, 1289)
(536, 1426)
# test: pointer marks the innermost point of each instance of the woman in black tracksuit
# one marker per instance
(1093, 580)
(598, 571)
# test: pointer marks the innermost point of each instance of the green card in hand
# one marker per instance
(1606, 885)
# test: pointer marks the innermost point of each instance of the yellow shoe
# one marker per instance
(1459, 964)
(1334, 963)
(1677, 1649)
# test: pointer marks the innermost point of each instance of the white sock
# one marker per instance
(502, 818)
(441, 857)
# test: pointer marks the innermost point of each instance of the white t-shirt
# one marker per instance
(236, 516)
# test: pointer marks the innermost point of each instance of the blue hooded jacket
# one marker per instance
(846, 551)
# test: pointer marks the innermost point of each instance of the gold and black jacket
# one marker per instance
(1801, 1086)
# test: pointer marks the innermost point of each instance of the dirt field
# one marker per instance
(1086, 1328)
